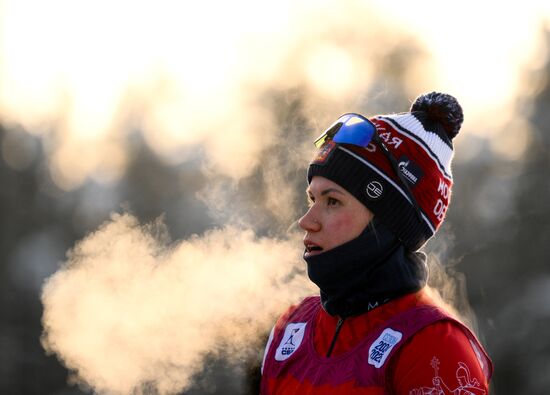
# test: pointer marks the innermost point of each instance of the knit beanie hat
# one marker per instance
(419, 143)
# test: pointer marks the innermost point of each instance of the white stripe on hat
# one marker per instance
(434, 146)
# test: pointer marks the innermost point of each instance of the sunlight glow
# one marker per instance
(85, 74)
(479, 53)
(331, 70)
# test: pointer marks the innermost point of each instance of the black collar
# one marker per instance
(366, 272)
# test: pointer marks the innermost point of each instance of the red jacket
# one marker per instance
(405, 347)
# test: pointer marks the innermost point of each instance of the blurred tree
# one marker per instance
(28, 214)
(500, 217)
(523, 342)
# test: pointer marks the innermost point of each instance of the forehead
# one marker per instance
(321, 185)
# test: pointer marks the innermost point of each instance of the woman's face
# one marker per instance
(334, 217)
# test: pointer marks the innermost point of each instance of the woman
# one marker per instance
(378, 190)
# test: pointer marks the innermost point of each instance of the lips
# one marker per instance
(312, 248)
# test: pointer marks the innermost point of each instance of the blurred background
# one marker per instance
(204, 114)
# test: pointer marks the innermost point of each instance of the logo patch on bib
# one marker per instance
(381, 347)
(294, 334)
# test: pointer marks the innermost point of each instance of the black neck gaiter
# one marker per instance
(366, 272)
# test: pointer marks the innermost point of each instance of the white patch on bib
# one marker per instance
(381, 347)
(294, 334)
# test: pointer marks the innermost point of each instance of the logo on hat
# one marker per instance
(374, 190)
(409, 169)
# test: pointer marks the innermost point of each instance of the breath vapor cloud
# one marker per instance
(129, 310)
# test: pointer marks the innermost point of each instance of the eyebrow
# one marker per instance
(327, 191)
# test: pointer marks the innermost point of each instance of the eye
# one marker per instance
(332, 201)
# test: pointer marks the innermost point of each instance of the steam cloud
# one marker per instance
(129, 309)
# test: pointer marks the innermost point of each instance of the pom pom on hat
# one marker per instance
(442, 108)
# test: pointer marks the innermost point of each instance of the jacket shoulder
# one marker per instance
(306, 305)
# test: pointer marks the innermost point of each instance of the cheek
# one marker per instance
(345, 227)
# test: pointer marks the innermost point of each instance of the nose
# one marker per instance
(309, 222)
